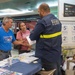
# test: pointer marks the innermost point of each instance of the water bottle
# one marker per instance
(9, 61)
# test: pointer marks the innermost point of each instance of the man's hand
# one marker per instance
(19, 42)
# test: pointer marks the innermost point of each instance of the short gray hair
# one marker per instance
(5, 20)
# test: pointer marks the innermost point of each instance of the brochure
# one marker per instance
(30, 42)
(8, 72)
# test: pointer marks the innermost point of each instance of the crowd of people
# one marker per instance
(47, 33)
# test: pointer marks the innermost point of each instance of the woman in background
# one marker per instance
(21, 35)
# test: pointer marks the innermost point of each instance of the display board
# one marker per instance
(66, 10)
(69, 10)
(66, 15)
(68, 33)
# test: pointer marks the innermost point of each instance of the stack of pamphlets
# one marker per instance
(28, 59)
(8, 72)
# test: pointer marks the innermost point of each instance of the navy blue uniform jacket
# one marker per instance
(47, 48)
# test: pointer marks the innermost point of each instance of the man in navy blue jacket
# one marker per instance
(47, 34)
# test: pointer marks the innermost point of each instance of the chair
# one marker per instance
(43, 72)
(69, 71)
